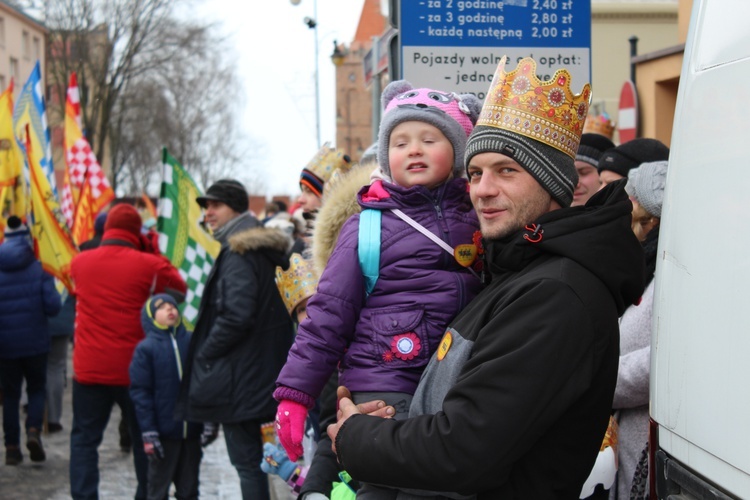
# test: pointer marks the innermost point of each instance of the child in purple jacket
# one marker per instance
(381, 342)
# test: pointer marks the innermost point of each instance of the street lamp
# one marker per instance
(338, 56)
(312, 23)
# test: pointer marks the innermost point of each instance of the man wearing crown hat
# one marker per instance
(517, 398)
(314, 176)
(326, 162)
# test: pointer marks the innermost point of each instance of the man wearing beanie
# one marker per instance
(587, 161)
(242, 333)
(317, 172)
(617, 162)
(112, 282)
(27, 297)
(516, 401)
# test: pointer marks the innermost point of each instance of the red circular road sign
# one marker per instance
(627, 119)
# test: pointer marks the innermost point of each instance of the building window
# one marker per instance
(26, 45)
(37, 49)
(14, 70)
(2, 82)
(2, 32)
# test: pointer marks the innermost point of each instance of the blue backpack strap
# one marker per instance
(369, 246)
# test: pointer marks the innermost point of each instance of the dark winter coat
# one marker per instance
(158, 363)
(63, 323)
(515, 403)
(27, 296)
(420, 289)
(242, 334)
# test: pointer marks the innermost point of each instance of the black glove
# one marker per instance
(152, 446)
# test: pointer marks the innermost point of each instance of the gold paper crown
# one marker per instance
(298, 283)
(547, 111)
(600, 124)
(326, 161)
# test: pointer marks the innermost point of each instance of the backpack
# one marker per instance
(368, 249)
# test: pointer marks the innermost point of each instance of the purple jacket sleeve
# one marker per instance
(332, 314)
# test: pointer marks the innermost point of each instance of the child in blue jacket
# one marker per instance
(173, 447)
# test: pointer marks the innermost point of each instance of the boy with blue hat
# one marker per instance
(173, 447)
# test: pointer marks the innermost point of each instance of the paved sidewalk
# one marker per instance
(49, 480)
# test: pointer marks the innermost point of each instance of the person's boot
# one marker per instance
(34, 445)
(13, 455)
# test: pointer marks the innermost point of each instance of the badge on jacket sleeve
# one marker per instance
(445, 344)
(465, 254)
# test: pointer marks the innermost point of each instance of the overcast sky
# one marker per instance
(276, 64)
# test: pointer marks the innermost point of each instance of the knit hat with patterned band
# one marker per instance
(321, 167)
(592, 148)
(154, 303)
(454, 115)
(537, 123)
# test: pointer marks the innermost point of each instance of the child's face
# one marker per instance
(167, 315)
(301, 310)
(419, 155)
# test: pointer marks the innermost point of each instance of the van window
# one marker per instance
(723, 39)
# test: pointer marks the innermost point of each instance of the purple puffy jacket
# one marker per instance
(383, 342)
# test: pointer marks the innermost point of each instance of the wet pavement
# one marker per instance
(49, 480)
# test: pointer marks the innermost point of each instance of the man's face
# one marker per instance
(588, 183)
(308, 200)
(608, 176)
(505, 196)
(218, 213)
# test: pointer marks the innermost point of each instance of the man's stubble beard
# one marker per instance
(526, 213)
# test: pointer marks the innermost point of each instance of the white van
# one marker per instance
(700, 358)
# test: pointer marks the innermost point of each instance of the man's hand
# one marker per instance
(347, 408)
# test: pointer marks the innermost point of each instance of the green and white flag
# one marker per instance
(182, 239)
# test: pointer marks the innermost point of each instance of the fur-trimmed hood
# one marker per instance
(259, 238)
(339, 203)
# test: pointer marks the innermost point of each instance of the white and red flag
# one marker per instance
(88, 188)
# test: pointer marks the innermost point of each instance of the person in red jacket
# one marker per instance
(112, 282)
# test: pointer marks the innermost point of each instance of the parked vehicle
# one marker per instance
(700, 358)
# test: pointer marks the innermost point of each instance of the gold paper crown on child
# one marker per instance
(600, 124)
(298, 283)
(324, 163)
(546, 111)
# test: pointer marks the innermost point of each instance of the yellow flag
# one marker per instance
(11, 162)
(52, 241)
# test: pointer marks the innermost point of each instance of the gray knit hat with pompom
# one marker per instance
(453, 114)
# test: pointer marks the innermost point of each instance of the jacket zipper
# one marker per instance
(179, 373)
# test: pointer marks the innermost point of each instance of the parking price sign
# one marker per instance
(457, 44)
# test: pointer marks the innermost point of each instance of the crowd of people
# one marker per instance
(464, 313)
